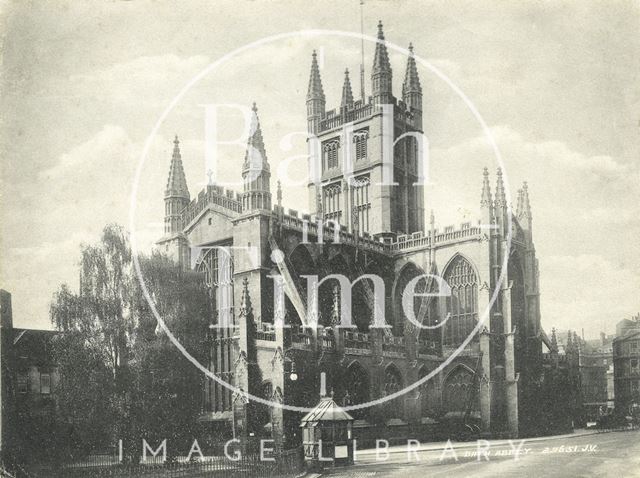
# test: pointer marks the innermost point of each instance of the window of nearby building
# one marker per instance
(634, 365)
(23, 382)
(210, 220)
(45, 383)
(633, 346)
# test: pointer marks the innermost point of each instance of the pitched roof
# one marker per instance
(326, 411)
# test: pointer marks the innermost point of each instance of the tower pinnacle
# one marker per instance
(412, 90)
(381, 58)
(315, 97)
(381, 75)
(485, 200)
(335, 308)
(279, 194)
(501, 200)
(177, 182)
(255, 156)
(176, 194)
(245, 302)
(315, 90)
(347, 93)
(519, 204)
(255, 169)
(526, 205)
(411, 80)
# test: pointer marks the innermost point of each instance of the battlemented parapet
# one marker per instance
(216, 195)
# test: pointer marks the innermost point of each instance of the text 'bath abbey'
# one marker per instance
(359, 225)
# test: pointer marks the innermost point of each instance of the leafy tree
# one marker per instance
(93, 351)
(120, 376)
(168, 386)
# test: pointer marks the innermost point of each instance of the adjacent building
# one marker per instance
(626, 360)
(29, 379)
(596, 373)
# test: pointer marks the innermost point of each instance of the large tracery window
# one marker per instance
(216, 264)
(462, 304)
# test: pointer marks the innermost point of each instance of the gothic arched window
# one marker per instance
(357, 389)
(360, 140)
(460, 391)
(216, 264)
(361, 203)
(462, 304)
(332, 202)
(430, 401)
(330, 152)
(392, 384)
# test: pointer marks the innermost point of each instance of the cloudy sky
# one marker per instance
(83, 85)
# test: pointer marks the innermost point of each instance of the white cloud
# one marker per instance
(586, 291)
(33, 273)
(148, 79)
(88, 187)
(110, 146)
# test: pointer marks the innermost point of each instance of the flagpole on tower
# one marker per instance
(362, 50)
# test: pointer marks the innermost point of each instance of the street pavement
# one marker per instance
(614, 454)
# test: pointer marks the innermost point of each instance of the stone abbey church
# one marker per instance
(357, 226)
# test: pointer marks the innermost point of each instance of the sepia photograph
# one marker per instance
(337, 238)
